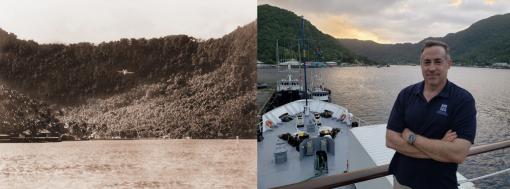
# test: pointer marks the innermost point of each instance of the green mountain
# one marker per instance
(276, 24)
(483, 43)
(401, 53)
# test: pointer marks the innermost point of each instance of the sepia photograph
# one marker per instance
(383, 94)
(128, 94)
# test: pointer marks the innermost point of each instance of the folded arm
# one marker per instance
(444, 151)
(395, 141)
(439, 150)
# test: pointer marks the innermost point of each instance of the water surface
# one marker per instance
(369, 93)
(129, 164)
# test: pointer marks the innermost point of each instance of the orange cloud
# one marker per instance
(340, 27)
(489, 2)
(455, 2)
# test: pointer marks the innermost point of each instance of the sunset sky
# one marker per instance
(392, 21)
(71, 21)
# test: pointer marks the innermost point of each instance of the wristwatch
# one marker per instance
(411, 138)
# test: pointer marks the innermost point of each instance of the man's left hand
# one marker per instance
(406, 133)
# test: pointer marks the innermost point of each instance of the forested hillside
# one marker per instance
(483, 43)
(285, 26)
(175, 86)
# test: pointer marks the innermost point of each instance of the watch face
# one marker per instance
(411, 139)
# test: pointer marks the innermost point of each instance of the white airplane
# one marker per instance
(125, 72)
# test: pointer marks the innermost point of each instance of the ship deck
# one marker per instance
(297, 168)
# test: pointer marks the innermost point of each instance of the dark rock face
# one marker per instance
(180, 86)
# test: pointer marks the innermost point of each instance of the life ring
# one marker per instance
(269, 123)
(342, 117)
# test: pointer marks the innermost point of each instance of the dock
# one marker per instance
(5, 138)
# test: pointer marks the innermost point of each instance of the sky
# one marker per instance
(72, 21)
(392, 21)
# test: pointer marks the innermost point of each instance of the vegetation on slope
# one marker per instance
(483, 43)
(276, 24)
(180, 86)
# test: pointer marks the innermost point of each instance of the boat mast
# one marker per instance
(277, 55)
(289, 68)
(304, 57)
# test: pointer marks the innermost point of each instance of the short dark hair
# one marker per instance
(432, 43)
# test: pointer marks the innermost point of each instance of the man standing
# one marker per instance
(431, 126)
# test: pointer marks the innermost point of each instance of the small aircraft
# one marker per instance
(125, 72)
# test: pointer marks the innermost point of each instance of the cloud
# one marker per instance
(332, 6)
(394, 21)
(98, 20)
(340, 26)
(489, 2)
(455, 2)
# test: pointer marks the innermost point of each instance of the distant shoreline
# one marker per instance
(274, 66)
(119, 139)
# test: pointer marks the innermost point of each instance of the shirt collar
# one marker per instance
(445, 92)
(419, 88)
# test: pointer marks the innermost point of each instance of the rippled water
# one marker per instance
(370, 92)
(129, 164)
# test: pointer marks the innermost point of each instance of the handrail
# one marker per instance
(375, 172)
(362, 121)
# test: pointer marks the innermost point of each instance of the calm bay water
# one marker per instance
(369, 93)
(130, 164)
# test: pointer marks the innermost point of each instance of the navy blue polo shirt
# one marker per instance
(453, 108)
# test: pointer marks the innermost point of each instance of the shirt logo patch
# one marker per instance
(442, 110)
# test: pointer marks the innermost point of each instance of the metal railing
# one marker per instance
(361, 121)
(375, 172)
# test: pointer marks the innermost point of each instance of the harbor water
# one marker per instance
(129, 164)
(369, 93)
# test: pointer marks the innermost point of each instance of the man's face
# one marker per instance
(434, 65)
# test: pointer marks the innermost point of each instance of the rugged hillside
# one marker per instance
(285, 26)
(19, 112)
(179, 87)
(403, 53)
(75, 72)
(484, 42)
